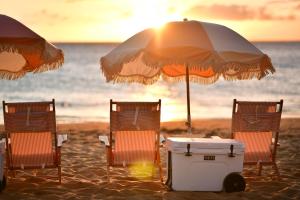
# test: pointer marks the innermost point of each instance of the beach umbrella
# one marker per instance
(185, 51)
(22, 50)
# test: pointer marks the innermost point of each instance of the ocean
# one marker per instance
(82, 94)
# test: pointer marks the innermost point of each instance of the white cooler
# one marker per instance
(203, 164)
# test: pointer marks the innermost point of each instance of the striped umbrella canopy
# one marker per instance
(22, 50)
(189, 51)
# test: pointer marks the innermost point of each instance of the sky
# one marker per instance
(117, 20)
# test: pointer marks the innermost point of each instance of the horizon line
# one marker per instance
(118, 42)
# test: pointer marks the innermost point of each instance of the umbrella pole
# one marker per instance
(188, 123)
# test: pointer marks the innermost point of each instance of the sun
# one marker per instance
(150, 14)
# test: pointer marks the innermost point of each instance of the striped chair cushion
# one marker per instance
(32, 149)
(134, 146)
(257, 145)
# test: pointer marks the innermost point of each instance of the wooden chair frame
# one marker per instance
(110, 143)
(271, 124)
(50, 126)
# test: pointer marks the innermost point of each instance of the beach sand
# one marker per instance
(84, 169)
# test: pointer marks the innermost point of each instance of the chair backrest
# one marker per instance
(135, 128)
(31, 133)
(256, 116)
(255, 124)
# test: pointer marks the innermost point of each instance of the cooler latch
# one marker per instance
(231, 154)
(188, 153)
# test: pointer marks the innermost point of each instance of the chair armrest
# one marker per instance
(61, 139)
(3, 140)
(104, 140)
(162, 140)
(273, 142)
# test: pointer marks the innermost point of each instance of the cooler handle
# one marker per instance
(188, 153)
(231, 154)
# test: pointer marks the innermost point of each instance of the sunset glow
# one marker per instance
(112, 21)
(151, 14)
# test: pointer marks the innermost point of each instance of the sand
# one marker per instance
(84, 169)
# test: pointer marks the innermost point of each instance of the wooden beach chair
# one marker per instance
(134, 134)
(257, 125)
(31, 138)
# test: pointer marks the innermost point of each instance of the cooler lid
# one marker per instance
(202, 143)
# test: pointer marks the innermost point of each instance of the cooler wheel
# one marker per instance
(234, 183)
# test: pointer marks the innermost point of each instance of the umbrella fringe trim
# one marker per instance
(136, 79)
(192, 78)
(4, 74)
(8, 48)
(51, 65)
(264, 66)
(11, 75)
(259, 71)
(264, 63)
(244, 70)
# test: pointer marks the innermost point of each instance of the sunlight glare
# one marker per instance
(142, 170)
(171, 107)
(149, 14)
(153, 13)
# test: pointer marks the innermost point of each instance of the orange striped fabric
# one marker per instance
(134, 146)
(257, 145)
(31, 149)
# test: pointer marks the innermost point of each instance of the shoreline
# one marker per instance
(201, 127)
(288, 125)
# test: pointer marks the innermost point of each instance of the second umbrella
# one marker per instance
(187, 50)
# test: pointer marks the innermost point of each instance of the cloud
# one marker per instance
(51, 16)
(230, 12)
(235, 12)
(282, 1)
(263, 15)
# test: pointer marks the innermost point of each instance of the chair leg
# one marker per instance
(6, 172)
(59, 174)
(276, 169)
(259, 165)
(159, 167)
(160, 173)
(108, 173)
